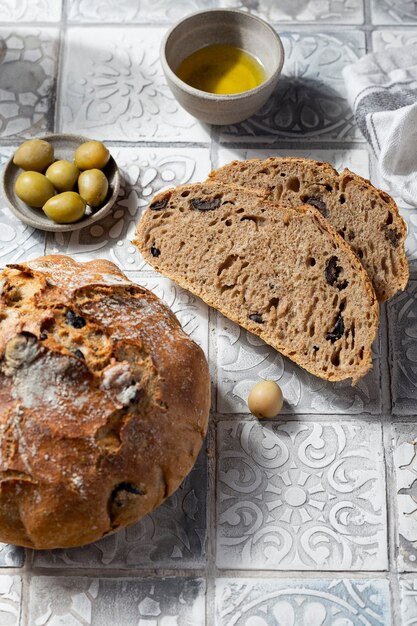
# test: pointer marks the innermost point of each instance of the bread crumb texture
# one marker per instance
(366, 218)
(280, 272)
(104, 402)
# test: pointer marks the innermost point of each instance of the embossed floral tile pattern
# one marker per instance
(131, 11)
(402, 312)
(28, 58)
(394, 12)
(173, 536)
(410, 217)
(261, 602)
(243, 359)
(302, 11)
(18, 242)
(393, 38)
(191, 312)
(299, 496)
(30, 10)
(310, 99)
(112, 87)
(408, 587)
(404, 445)
(124, 601)
(10, 600)
(145, 171)
(11, 556)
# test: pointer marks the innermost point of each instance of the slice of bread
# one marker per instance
(282, 273)
(366, 218)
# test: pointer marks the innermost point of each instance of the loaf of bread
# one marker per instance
(282, 273)
(366, 218)
(104, 402)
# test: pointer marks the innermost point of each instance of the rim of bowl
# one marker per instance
(54, 226)
(208, 94)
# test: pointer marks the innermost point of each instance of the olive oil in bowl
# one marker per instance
(221, 69)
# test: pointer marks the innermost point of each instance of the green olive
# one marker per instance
(91, 154)
(65, 208)
(63, 175)
(33, 188)
(265, 399)
(93, 187)
(35, 155)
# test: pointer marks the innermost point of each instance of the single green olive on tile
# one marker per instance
(265, 399)
(34, 188)
(65, 208)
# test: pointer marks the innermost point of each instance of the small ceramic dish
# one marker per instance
(222, 26)
(64, 148)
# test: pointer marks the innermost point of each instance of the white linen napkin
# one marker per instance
(382, 91)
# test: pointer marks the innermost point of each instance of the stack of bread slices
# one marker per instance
(289, 249)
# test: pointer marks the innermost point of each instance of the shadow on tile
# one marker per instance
(299, 107)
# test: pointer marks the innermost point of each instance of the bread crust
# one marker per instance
(171, 201)
(366, 217)
(104, 402)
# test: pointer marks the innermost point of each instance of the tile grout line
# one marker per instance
(117, 572)
(312, 26)
(211, 469)
(189, 573)
(59, 66)
(26, 576)
(367, 14)
(389, 468)
(301, 143)
(305, 575)
(391, 489)
(212, 461)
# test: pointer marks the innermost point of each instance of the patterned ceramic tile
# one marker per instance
(310, 99)
(10, 598)
(131, 11)
(115, 89)
(340, 11)
(300, 496)
(191, 312)
(353, 158)
(30, 10)
(18, 242)
(109, 602)
(11, 556)
(145, 171)
(405, 462)
(243, 359)
(408, 587)
(174, 535)
(394, 12)
(260, 602)
(410, 216)
(402, 311)
(27, 78)
(393, 38)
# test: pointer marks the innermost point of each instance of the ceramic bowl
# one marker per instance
(218, 26)
(64, 148)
